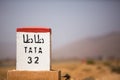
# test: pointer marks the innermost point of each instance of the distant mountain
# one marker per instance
(105, 46)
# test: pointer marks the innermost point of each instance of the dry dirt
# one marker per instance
(77, 70)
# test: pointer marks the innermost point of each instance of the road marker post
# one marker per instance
(33, 58)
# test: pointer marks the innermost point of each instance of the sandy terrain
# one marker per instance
(77, 70)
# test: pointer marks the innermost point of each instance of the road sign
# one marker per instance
(33, 48)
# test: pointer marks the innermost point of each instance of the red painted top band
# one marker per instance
(33, 29)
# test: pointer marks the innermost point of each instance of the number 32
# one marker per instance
(30, 60)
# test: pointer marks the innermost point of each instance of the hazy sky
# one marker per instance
(69, 19)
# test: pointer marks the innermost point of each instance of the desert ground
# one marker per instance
(76, 69)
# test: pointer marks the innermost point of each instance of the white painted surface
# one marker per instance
(26, 58)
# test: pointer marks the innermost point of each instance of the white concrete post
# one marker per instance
(33, 48)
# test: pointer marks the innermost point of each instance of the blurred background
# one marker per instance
(85, 35)
(80, 28)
